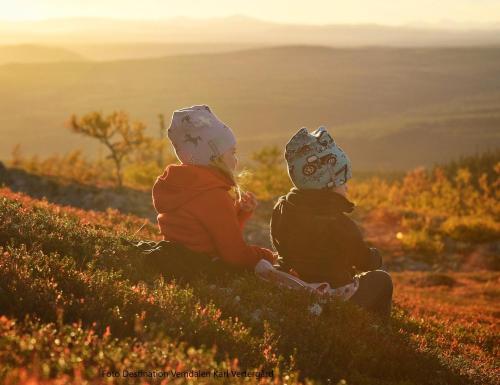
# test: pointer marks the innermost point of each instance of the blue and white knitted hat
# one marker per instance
(315, 161)
(198, 136)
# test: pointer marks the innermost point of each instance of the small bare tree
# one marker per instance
(17, 156)
(115, 131)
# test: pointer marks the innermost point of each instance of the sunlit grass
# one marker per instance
(97, 307)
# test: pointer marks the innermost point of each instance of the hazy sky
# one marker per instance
(394, 12)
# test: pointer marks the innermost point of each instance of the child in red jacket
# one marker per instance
(193, 201)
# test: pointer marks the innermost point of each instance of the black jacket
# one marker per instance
(312, 234)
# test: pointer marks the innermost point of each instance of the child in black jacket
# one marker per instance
(317, 241)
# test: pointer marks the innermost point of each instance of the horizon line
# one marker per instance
(445, 24)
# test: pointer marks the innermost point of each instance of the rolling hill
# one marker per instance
(391, 108)
(32, 53)
(76, 300)
(146, 50)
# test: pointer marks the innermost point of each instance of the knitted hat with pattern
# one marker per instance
(315, 161)
(198, 136)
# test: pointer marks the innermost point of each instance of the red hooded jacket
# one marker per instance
(195, 209)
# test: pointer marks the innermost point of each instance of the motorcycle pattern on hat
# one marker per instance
(315, 161)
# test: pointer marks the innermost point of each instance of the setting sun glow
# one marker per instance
(317, 12)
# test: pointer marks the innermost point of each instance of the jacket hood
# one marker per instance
(181, 183)
(318, 201)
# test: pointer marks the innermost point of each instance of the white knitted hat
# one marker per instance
(198, 136)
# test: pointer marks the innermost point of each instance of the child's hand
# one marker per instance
(248, 202)
(272, 258)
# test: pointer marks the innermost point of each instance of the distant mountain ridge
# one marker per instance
(237, 29)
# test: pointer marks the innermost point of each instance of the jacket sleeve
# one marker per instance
(274, 227)
(357, 252)
(218, 216)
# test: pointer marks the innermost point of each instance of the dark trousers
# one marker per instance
(374, 292)
(173, 260)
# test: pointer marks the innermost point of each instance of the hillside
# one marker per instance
(76, 300)
(30, 53)
(436, 219)
(144, 50)
(397, 96)
(99, 51)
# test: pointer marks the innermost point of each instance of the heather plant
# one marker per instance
(33, 352)
(73, 166)
(50, 271)
(139, 170)
(431, 210)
